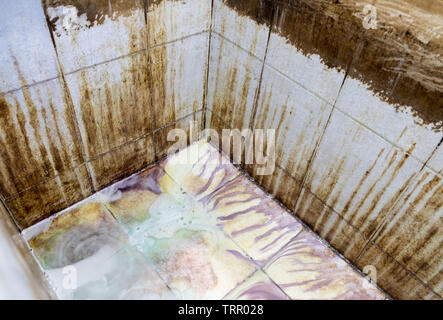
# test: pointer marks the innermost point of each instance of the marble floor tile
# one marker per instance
(124, 276)
(200, 169)
(176, 234)
(258, 287)
(252, 218)
(71, 245)
(189, 228)
(306, 269)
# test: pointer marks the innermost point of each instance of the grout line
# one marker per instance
(29, 86)
(208, 65)
(318, 236)
(15, 195)
(179, 39)
(252, 118)
(406, 269)
(236, 45)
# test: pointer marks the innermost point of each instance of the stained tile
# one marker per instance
(126, 276)
(298, 118)
(200, 169)
(436, 161)
(413, 232)
(122, 162)
(117, 111)
(75, 242)
(309, 70)
(49, 197)
(38, 136)
(358, 174)
(392, 277)
(329, 225)
(233, 83)
(191, 125)
(117, 27)
(255, 222)
(178, 78)
(258, 287)
(279, 184)
(23, 30)
(177, 235)
(231, 21)
(75, 235)
(307, 269)
(400, 127)
(169, 20)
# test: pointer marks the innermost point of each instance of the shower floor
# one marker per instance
(191, 227)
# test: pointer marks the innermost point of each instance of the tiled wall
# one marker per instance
(363, 173)
(87, 90)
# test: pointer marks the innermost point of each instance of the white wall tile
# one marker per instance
(169, 20)
(27, 54)
(400, 127)
(241, 30)
(359, 174)
(297, 116)
(308, 71)
(233, 82)
(87, 43)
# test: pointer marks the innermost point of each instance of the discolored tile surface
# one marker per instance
(255, 222)
(258, 287)
(233, 24)
(416, 223)
(177, 235)
(178, 72)
(233, 83)
(169, 20)
(117, 27)
(50, 196)
(24, 32)
(298, 118)
(117, 111)
(200, 169)
(330, 225)
(126, 276)
(393, 277)
(307, 269)
(203, 232)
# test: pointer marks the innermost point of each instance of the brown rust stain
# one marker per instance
(231, 102)
(413, 240)
(394, 60)
(95, 11)
(115, 112)
(122, 162)
(44, 199)
(393, 277)
(34, 148)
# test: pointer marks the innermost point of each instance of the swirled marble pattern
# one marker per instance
(307, 269)
(178, 237)
(188, 230)
(258, 287)
(256, 222)
(200, 169)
